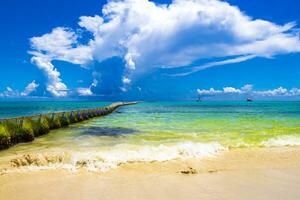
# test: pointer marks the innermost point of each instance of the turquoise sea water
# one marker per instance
(159, 131)
(21, 108)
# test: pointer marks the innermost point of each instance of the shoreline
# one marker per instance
(243, 173)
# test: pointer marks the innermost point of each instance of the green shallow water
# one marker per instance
(156, 131)
(229, 123)
(232, 124)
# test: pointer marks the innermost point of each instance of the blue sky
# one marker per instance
(159, 54)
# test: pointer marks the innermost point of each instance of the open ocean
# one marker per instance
(157, 131)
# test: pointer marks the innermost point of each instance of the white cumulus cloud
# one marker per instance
(60, 44)
(231, 90)
(248, 89)
(31, 87)
(210, 91)
(147, 35)
(126, 80)
(82, 91)
(92, 24)
(275, 92)
(9, 92)
(54, 83)
(9, 89)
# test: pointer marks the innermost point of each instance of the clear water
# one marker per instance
(21, 108)
(165, 130)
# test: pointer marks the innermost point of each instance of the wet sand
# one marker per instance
(239, 174)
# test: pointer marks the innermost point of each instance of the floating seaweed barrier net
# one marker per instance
(25, 129)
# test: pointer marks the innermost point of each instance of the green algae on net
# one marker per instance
(25, 129)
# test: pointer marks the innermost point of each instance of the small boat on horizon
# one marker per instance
(199, 99)
(249, 100)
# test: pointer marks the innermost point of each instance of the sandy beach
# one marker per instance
(250, 173)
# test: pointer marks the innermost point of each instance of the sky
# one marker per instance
(150, 50)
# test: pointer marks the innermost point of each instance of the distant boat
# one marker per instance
(249, 100)
(199, 99)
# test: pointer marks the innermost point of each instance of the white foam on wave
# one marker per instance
(282, 141)
(105, 160)
(130, 154)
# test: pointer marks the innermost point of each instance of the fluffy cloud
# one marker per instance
(226, 90)
(248, 89)
(9, 92)
(295, 91)
(84, 91)
(60, 44)
(231, 90)
(126, 80)
(276, 92)
(87, 91)
(30, 88)
(210, 91)
(54, 84)
(9, 89)
(146, 35)
(91, 24)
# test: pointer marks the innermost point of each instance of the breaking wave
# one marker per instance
(105, 160)
(282, 141)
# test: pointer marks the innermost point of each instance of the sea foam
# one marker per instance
(105, 160)
(282, 141)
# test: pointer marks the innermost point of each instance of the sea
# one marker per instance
(154, 132)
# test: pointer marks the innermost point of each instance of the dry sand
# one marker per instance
(240, 174)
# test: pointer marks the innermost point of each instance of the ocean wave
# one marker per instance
(282, 141)
(105, 160)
